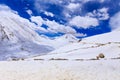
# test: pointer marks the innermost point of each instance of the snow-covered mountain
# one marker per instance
(18, 38)
(89, 48)
(62, 41)
(65, 39)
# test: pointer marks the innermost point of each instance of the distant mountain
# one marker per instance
(60, 41)
(89, 48)
(64, 40)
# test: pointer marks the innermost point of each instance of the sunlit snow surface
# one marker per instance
(89, 48)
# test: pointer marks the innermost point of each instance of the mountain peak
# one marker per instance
(69, 37)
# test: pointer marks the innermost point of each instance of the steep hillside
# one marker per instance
(18, 38)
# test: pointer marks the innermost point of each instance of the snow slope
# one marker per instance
(89, 48)
(62, 41)
(18, 38)
(72, 62)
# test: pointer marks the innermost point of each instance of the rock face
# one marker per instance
(18, 38)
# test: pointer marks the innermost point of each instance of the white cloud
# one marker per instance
(53, 27)
(83, 22)
(56, 27)
(102, 1)
(115, 21)
(67, 15)
(41, 5)
(101, 14)
(47, 1)
(73, 6)
(37, 20)
(29, 12)
(49, 14)
(84, 1)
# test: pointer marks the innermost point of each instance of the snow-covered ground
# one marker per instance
(75, 61)
(89, 48)
(60, 70)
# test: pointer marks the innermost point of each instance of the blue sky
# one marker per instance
(89, 17)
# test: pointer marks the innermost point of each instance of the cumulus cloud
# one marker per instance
(37, 20)
(73, 6)
(115, 21)
(29, 12)
(40, 5)
(70, 8)
(56, 27)
(49, 14)
(84, 1)
(83, 22)
(101, 14)
(53, 27)
(71, 13)
(102, 1)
